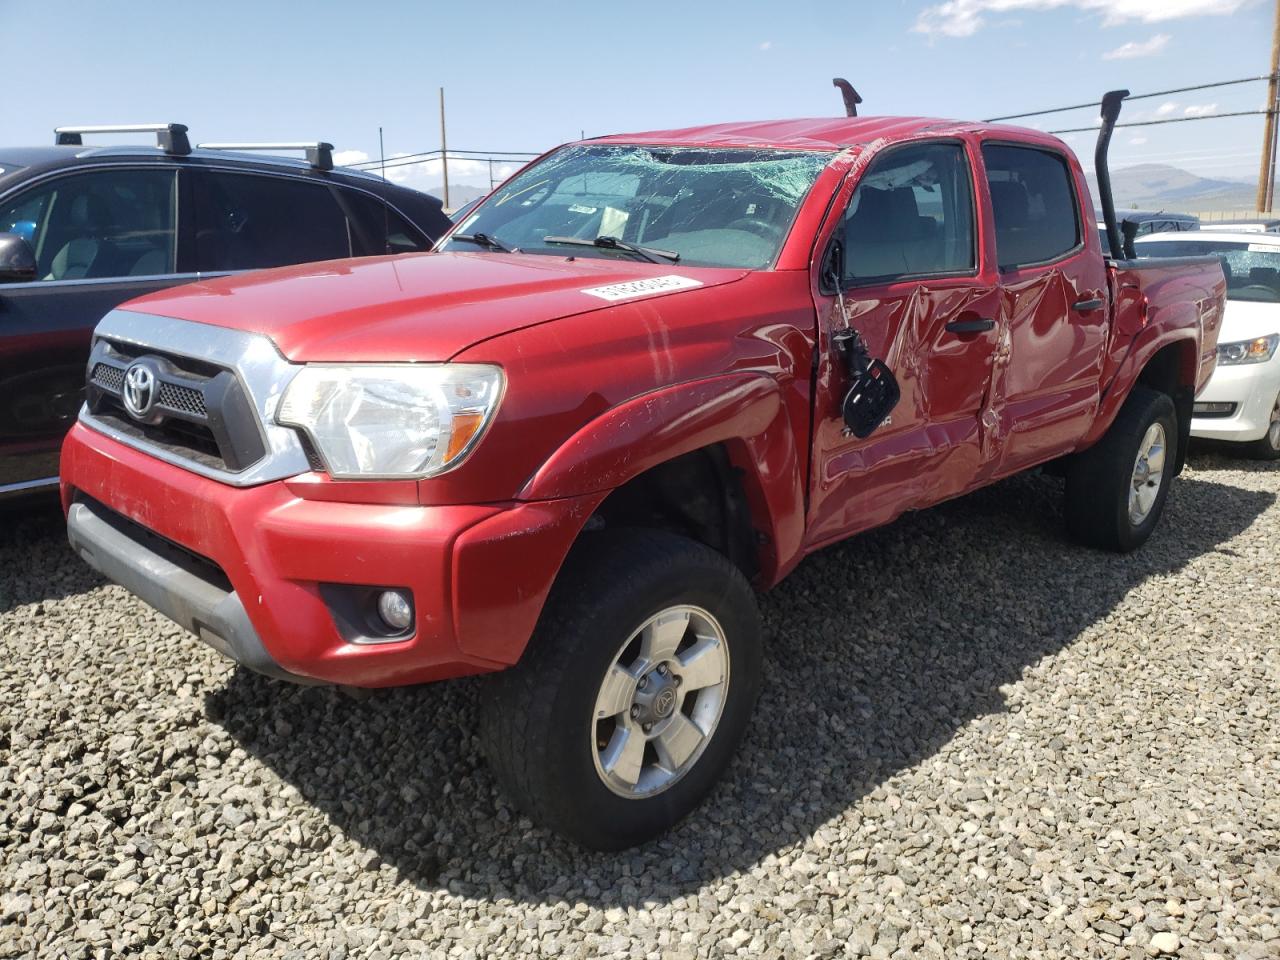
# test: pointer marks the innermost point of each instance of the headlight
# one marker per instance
(1249, 351)
(407, 420)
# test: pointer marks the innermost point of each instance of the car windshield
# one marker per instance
(1252, 269)
(711, 207)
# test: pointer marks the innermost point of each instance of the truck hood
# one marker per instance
(417, 306)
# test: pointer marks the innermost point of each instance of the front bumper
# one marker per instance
(1253, 388)
(248, 569)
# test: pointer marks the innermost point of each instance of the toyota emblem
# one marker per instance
(139, 389)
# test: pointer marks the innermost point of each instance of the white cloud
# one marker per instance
(1166, 108)
(1200, 110)
(345, 158)
(767, 45)
(964, 18)
(1137, 141)
(1139, 48)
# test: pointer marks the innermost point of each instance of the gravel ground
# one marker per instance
(975, 741)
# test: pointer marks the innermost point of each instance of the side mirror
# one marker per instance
(17, 261)
(873, 389)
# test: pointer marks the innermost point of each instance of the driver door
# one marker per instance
(919, 290)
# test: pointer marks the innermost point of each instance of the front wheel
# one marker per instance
(634, 693)
(1116, 489)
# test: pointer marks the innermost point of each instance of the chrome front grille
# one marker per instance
(213, 409)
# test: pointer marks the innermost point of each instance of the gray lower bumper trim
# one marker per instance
(173, 582)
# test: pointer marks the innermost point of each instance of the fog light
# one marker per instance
(1213, 409)
(395, 610)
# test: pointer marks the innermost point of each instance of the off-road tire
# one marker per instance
(1100, 478)
(537, 724)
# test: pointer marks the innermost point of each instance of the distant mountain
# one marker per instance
(1157, 186)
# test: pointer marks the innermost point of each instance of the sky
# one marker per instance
(525, 77)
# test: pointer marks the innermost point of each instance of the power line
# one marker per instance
(452, 156)
(1153, 123)
(428, 154)
(1136, 96)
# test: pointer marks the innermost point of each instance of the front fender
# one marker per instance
(743, 411)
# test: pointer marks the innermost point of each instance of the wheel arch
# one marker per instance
(715, 459)
(1170, 365)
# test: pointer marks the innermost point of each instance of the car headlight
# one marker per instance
(1249, 351)
(385, 421)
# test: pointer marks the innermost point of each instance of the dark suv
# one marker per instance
(84, 228)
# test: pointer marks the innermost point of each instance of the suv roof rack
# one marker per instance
(319, 154)
(170, 137)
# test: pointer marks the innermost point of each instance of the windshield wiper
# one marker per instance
(652, 254)
(484, 240)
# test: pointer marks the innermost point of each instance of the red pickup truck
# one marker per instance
(646, 375)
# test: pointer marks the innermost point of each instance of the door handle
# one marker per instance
(1085, 306)
(976, 325)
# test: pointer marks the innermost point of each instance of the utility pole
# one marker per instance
(382, 153)
(444, 144)
(1266, 172)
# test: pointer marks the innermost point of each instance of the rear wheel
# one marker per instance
(1116, 490)
(1268, 448)
(634, 692)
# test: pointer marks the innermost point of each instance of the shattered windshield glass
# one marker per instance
(712, 207)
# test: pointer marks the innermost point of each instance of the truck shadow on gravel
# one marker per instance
(878, 651)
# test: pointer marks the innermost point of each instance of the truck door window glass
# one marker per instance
(1252, 274)
(714, 207)
(911, 216)
(1033, 201)
(245, 222)
(108, 223)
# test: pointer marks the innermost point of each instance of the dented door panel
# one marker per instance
(930, 447)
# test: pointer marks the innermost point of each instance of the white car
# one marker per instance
(1241, 403)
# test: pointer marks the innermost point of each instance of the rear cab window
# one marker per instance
(1033, 203)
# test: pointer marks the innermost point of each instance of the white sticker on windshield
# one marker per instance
(1263, 248)
(642, 288)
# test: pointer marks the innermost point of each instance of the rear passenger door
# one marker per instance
(100, 237)
(916, 288)
(1053, 307)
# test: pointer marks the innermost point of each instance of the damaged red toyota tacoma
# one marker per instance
(644, 378)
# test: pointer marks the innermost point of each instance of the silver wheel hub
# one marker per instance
(1148, 472)
(660, 702)
(1273, 431)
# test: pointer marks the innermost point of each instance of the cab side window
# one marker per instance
(1033, 200)
(911, 216)
(98, 225)
(247, 222)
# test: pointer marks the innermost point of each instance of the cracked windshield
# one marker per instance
(700, 207)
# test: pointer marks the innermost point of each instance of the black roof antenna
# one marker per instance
(851, 98)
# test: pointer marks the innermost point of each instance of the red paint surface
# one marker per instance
(597, 392)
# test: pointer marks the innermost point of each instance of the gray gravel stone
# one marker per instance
(975, 740)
